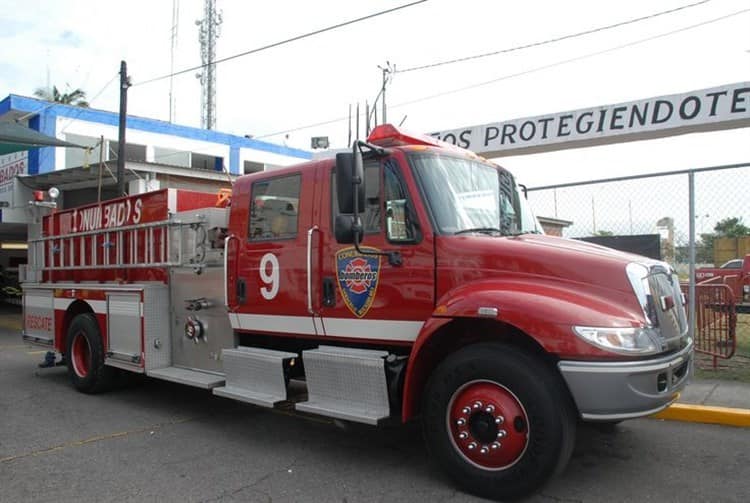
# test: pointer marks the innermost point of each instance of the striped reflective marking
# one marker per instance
(273, 323)
(388, 330)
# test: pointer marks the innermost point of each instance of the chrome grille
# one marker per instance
(665, 307)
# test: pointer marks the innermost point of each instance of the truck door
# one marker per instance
(364, 296)
(269, 293)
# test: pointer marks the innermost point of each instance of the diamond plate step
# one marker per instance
(346, 384)
(254, 375)
(186, 376)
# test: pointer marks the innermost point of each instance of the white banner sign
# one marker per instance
(10, 166)
(718, 108)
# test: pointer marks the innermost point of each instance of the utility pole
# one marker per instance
(208, 32)
(124, 84)
(387, 70)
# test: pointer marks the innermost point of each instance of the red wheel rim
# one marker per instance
(488, 425)
(81, 356)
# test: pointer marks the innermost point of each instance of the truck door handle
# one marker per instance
(329, 293)
(241, 291)
(310, 233)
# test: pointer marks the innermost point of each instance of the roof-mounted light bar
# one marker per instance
(388, 135)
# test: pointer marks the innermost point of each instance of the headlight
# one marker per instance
(628, 341)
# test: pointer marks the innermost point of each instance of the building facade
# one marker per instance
(158, 154)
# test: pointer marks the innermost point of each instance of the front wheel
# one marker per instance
(498, 420)
(85, 356)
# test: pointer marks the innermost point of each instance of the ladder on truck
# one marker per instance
(166, 243)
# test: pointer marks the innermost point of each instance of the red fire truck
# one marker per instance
(405, 279)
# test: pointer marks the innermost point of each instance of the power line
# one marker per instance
(553, 40)
(83, 109)
(522, 73)
(571, 60)
(282, 42)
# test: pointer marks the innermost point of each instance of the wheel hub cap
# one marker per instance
(488, 425)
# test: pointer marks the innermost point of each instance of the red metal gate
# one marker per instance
(715, 319)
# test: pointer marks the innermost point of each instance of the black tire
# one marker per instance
(523, 428)
(85, 356)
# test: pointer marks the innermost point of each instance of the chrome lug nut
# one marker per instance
(484, 450)
(472, 446)
(466, 410)
(490, 409)
(501, 434)
(460, 421)
(477, 405)
(495, 445)
(499, 420)
(463, 435)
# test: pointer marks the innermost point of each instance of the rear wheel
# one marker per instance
(85, 356)
(498, 420)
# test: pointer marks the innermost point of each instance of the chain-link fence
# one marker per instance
(652, 215)
(656, 204)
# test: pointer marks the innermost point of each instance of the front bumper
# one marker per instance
(612, 391)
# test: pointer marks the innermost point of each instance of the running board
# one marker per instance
(186, 376)
(255, 375)
(346, 383)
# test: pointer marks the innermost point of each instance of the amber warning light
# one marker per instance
(388, 135)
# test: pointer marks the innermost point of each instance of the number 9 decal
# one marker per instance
(271, 279)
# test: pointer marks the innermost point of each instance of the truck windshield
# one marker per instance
(468, 196)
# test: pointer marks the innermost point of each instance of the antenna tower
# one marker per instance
(208, 32)
(172, 50)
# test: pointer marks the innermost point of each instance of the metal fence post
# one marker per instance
(691, 254)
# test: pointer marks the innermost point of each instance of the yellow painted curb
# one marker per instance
(706, 414)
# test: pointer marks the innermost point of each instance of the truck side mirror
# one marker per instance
(345, 227)
(350, 178)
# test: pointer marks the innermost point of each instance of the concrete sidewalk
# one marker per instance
(712, 401)
(717, 393)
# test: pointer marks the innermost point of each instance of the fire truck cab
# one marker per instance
(406, 278)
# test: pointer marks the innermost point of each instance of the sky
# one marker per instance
(79, 44)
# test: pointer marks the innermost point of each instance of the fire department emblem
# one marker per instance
(357, 276)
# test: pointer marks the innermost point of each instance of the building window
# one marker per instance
(172, 157)
(252, 167)
(75, 157)
(207, 162)
(133, 151)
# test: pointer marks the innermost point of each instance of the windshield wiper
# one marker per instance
(482, 230)
(521, 233)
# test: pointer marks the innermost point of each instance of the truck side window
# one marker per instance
(397, 212)
(274, 205)
(372, 216)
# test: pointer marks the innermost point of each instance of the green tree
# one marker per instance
(704, 249)
(731, 227)
(76, 97)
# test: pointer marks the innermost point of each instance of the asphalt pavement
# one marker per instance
(157, 441)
